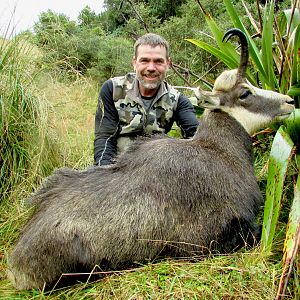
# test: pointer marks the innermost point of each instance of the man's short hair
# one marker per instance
(152, 40)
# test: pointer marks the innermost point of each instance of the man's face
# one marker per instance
(150, 65)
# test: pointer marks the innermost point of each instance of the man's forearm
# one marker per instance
(105, 149)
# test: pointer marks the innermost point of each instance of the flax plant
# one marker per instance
(274, 44)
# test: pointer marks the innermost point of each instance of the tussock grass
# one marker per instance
(27, 150)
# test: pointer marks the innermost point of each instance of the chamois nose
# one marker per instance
(287, 100)
(290, 101)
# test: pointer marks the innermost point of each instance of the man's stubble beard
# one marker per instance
(147, 85)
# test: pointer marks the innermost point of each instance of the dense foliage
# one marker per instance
(101, 45)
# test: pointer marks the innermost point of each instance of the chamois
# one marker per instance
(165, 197)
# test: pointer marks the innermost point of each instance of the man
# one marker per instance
(140, 103)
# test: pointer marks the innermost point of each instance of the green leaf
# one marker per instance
(292, 124)
(232, 61)
(218, 36)
(296, 63)
(292, 240)
(279, 157)
(290, 73)
(229, 54)
(294, 90)
(225, 54)
(234, 16)
(267, 51)
(296, 57)
(295, 21)
(253, 50)
(216, 31)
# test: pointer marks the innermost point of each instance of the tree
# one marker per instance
(70, 46)
(51, 25)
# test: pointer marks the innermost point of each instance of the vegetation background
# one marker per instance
(50, 79)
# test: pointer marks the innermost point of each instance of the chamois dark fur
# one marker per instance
(164, 197)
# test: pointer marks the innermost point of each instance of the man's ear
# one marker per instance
(169, 62)
(134, 62)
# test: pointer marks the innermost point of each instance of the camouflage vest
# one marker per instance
(134, 118)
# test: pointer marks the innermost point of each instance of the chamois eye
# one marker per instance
(245, 94)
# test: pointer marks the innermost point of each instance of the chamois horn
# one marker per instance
(241, 74)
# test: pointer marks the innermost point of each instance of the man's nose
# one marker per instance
(151, 66)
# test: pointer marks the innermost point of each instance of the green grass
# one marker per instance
(238, 276)
(73, 106)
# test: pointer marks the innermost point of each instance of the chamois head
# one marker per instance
(232, 92)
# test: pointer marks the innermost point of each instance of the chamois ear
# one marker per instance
(207, 99)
